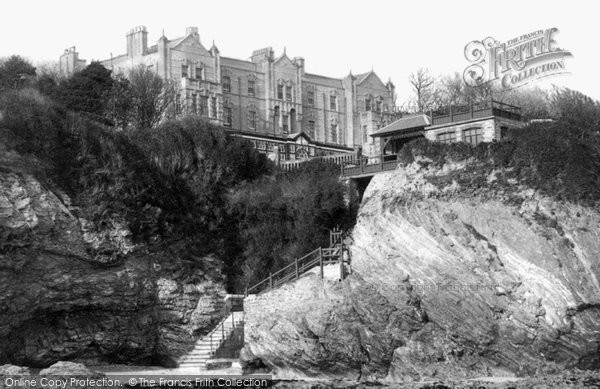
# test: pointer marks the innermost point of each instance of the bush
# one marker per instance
(547, 156)
(284, 217)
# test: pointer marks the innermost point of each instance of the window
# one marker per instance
(280, 92)
(184, 71)
(333, 133)
(194, 103)
(251, 85)
(203, 105)
(226, 84)
(227, 112)
(178, 103)
(446, 137)
(285, 124)
(311, 128)
(252, 120)
(333, 103)
(473, 136)
(367, 104)
(288, 92)
(213, 107)
(199, 73)
(311, 98)
(378, 104)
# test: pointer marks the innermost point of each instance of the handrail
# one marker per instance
(219, 327)
(369, 166)
(301, 265)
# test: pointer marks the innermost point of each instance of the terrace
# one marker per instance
(459, 113)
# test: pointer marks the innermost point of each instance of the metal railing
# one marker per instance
(319, 257)
(215, 340)
(336, 159)
(367, 166)
(457, 113)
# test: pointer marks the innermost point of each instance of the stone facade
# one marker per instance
(70, 63)
(266, 95)
(472, 131)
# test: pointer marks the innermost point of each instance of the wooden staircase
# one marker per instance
(209, 345)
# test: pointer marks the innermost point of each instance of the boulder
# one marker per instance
(14, 370)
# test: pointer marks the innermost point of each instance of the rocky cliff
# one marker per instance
(72, 292)
(455, 273)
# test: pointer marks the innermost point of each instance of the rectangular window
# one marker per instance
(378, 104)
(310, 98)
(213, 107)
(333, 103)
(226, 84)
(252, 120)
(446, 137)
(473, 136)
(227, 111)
(288, 92)
(285, 124)
(251, 85)
(199, 74)
(184, 71)
(311, 128)
(333, 133)
(194, 103)
(280, 92)
(203, 105)
(367, 104)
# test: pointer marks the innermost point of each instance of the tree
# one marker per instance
(15, 72)
(87, 90)
(576, 112)
(152, 97)
(423, 84)
(119, 102)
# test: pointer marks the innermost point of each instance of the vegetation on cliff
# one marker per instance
(561, 158)
(185, 185)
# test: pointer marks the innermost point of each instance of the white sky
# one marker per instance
(392, 37)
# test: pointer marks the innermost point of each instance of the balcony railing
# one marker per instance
(368, 166)
(458, 113)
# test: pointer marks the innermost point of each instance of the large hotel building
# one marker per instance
(270, 99)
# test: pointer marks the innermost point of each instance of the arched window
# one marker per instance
(473, 136)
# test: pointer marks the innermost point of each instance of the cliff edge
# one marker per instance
(70, 291)
(456, 273)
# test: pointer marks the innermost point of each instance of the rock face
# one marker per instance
(447, 282)
(67, 292)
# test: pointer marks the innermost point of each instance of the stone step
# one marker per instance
(196, 355)
(194, 360)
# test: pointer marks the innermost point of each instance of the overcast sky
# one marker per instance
(392, 37)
